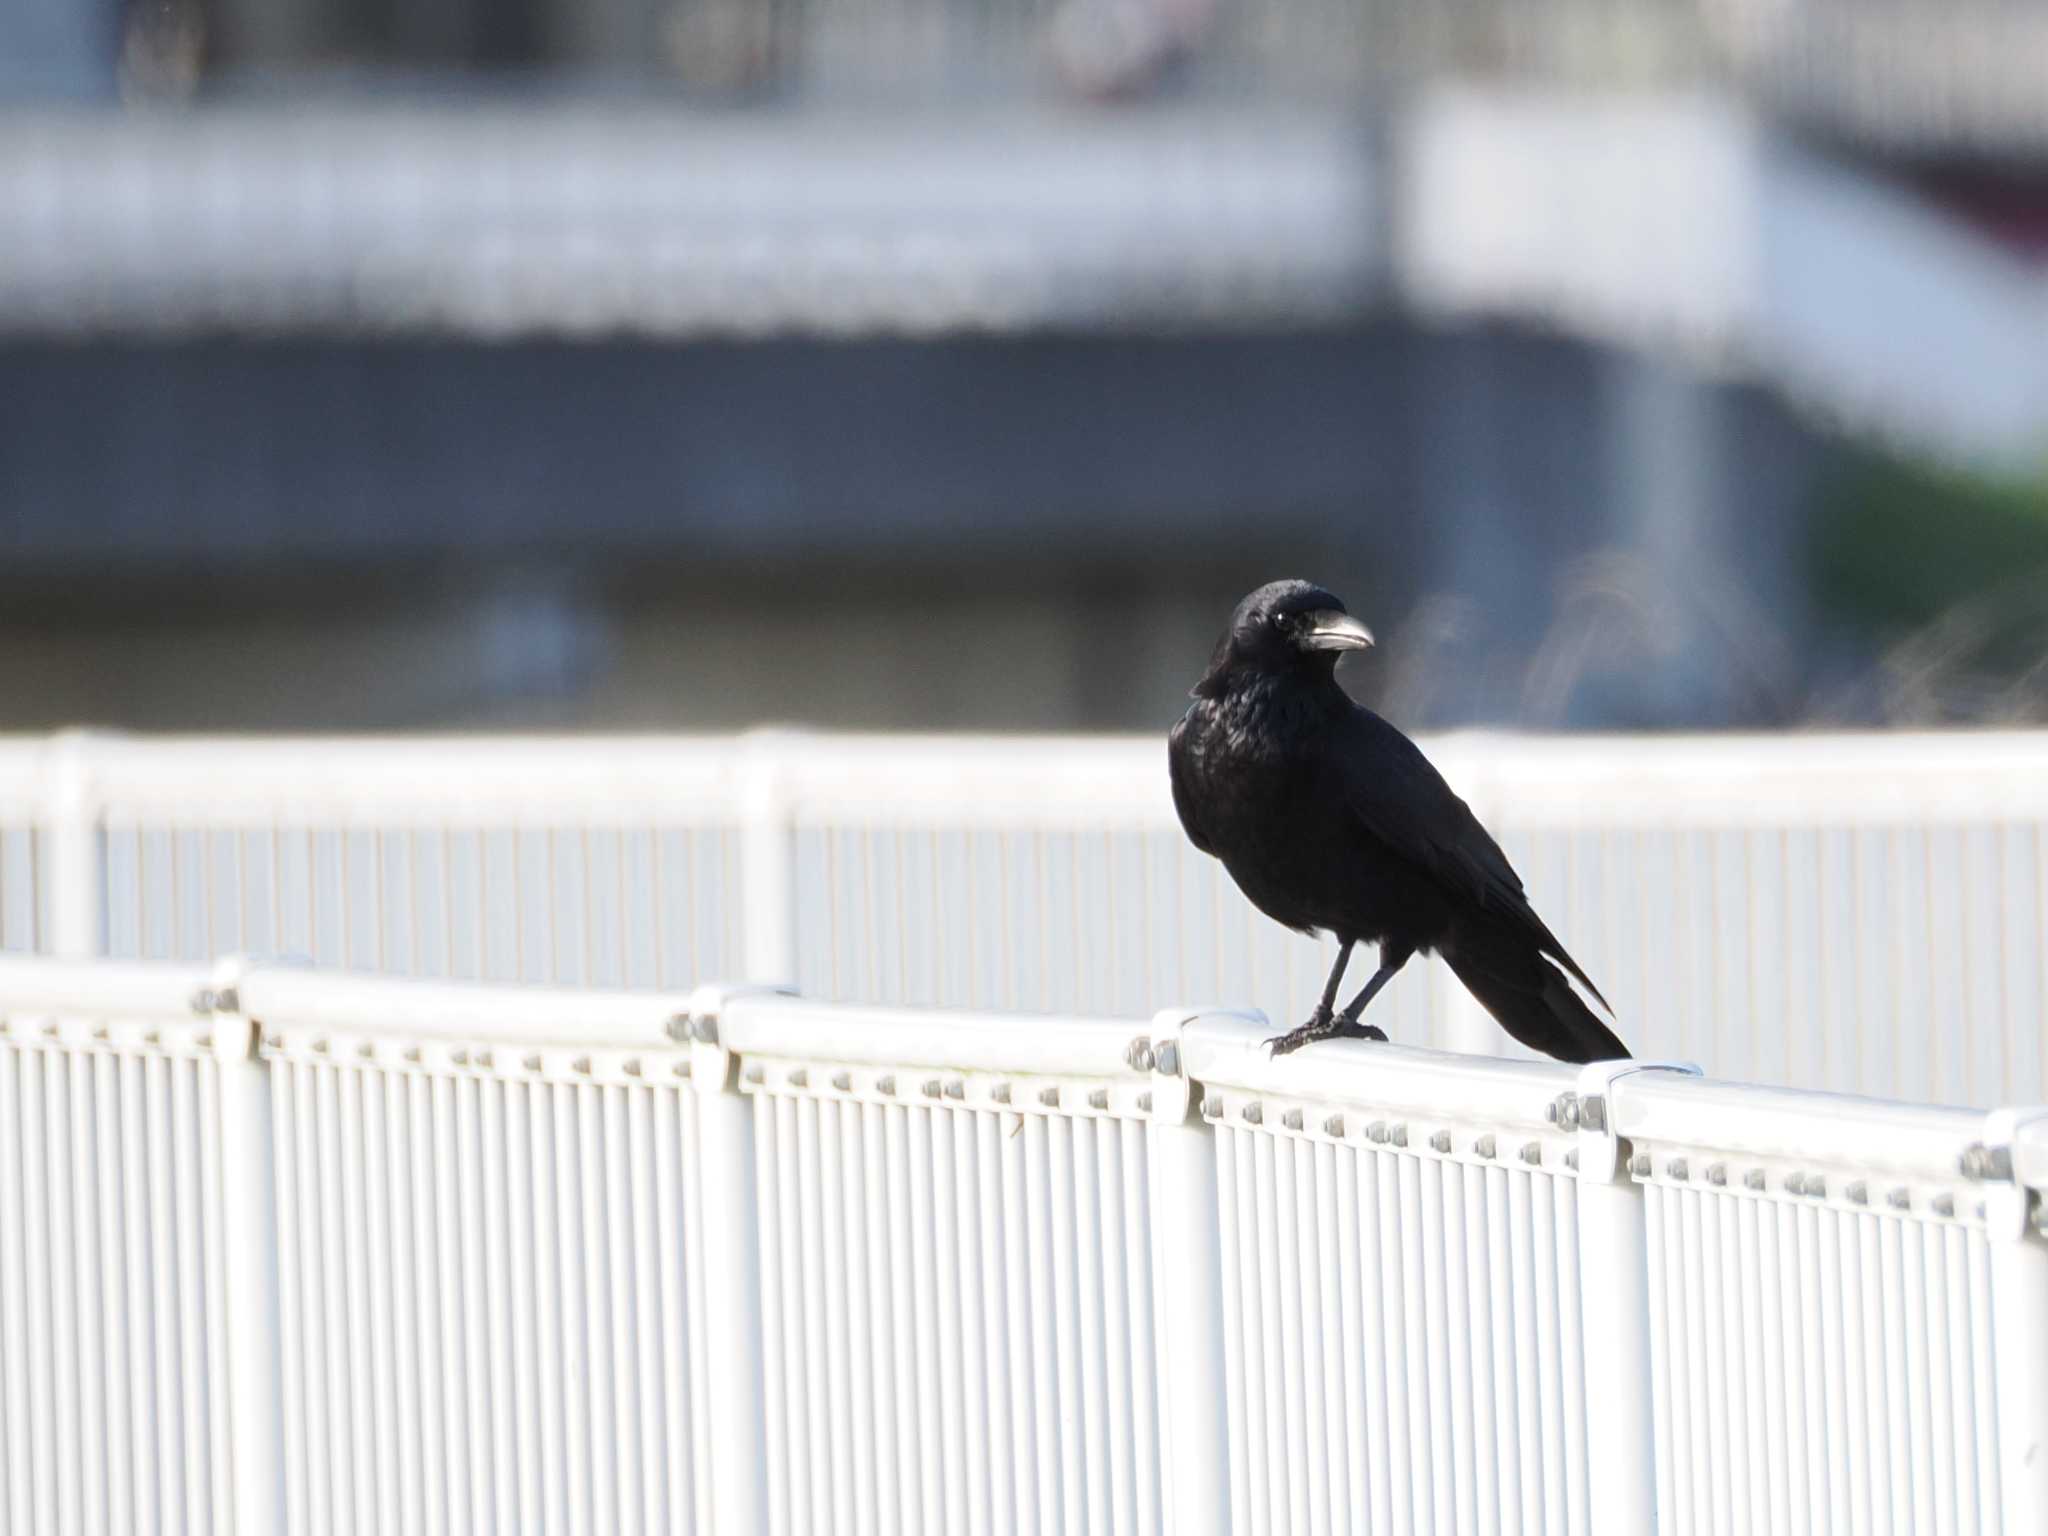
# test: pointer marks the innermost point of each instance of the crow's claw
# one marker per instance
(1321, 1026)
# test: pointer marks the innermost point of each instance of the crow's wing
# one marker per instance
(1403, 802)
(1183, 793)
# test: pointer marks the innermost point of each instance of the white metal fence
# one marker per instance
(289, 1250)
(1858, 913)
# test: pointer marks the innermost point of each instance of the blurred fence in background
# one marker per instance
(300, 1251)
(1859, 913)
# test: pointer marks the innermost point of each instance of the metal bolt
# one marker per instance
(204, 1042)
(1639, 1166)
(1976, 1161)
(631, 1068)
(1376, 1132)
(1441, 1141)
(532, 1063)
(1212, 1107)
(1900, 1199)
(1944, 1205)
(1590, 1111)
(957, 1088)
(1532, 1154)
(1166, 1057)
(678, 1027)
(1717, 1174)
(1677, 1169)
(1795, 1183)
(933, 1087)
(1483, 1147)
(1571, 1159)
(273, 1042)
(581, 1064)
(319, 1046)
(886, 1085)
(1334, 1126)
(367, 1051)
(1817, 1187)
(1099, 1099)
(1049, 1097)
(1254, 1113)
(101, 1032)
(756, 1074)
(1139, 1056)
(1000, 1093)
(1754, 1179)
(1398, 1135)
(843, 1081)
(799, 1077)
(1145, 1102)
(1292, 1119)
(682, 1067)
(1858, 1193)
(460, 1058)
(704, 1029)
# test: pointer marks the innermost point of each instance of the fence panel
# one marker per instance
(1400, 1288)
(1859, 913)
(490, 1229)
(956, 1271)
(1826, 1350)
(113, 1326)
(24, 924)
(1043, 874)
(604, 865)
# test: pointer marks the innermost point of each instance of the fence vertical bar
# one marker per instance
(1614, 1293)
(71, 835)
(732, 1274)
(1189, 1294)
(248, 1216)
(767, 862)
(2016, 1222)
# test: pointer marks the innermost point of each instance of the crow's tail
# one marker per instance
(1529, 996)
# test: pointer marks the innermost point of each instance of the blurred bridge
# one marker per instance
(1668, 222)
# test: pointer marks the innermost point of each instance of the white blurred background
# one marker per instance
(886, 363)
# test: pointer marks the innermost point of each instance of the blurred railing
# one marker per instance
(294, 1251)
(1853, 912)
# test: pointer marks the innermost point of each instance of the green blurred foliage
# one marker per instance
(1899, 545)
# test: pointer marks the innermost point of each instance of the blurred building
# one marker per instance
(931, 364)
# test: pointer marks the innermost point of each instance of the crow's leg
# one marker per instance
(1320, 1025)
(1392, 958)
(1323, 1027)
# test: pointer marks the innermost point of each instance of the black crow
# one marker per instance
(1329, 818)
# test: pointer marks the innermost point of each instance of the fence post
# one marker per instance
(732, 1273)
(2016, 1222)
(249, 1257)
(767, 861)
(71, 835)
(1188, 1293)
(1614, 1289)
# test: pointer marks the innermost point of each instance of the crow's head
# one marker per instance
(1287, 626)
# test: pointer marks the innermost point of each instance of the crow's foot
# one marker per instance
(1321, 1026)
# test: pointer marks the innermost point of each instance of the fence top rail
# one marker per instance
(1837, 779)
(779, 1025)
(1923, 1141)
(98, 989)
(1228, 1050)
(455, 781)
(284, 998)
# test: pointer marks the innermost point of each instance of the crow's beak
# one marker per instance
(1330, 630)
